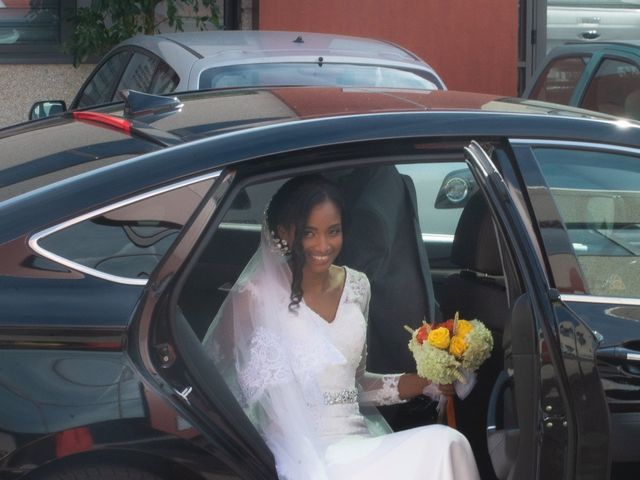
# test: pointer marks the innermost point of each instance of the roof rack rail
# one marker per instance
(137, 104)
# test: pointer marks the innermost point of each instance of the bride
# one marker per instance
(290, 340)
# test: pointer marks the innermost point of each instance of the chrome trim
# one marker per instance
(634, 357)
(599, 299)
(35, 238)
(248, 227)
(437, 237)
(573, 143)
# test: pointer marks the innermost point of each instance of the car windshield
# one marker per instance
(335, 74)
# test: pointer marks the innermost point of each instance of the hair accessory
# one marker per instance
(281, 244)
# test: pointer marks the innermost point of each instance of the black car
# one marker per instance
(600, 76)
(123, 229)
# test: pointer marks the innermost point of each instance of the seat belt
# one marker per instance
(433, 310)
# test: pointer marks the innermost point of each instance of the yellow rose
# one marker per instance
(439, 338)
(457, 346)
(463, 327)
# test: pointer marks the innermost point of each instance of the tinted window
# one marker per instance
(598, 197)
(615, 89)
(165, 80)
(138, 74)
(559, 80)
(131, 240)
(102, 85)
(313, 74)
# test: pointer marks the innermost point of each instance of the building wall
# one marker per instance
(472, 45)
(22, 85)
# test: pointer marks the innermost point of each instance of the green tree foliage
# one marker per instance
(105, 23)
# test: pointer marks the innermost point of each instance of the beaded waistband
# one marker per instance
(340, 396)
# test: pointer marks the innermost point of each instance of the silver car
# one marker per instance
(588, 20)
(222, 59)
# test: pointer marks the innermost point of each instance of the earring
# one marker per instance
(281, 244)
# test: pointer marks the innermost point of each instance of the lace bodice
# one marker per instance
(348, 334)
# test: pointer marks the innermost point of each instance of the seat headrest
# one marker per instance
(475, 246)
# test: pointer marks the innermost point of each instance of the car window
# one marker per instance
(442, 189)
(614, 89)
(598, 197)
(102, 85)
(138, 74)
(343, 75)
(238, 235)
(165, 80)
(129, 241)
(559, 80)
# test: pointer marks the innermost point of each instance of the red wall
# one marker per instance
(472, 44)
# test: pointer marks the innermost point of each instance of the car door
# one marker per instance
(584, 197)
(559, 425)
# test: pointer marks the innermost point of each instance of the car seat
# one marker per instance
(478, 292)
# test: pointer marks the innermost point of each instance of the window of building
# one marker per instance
(33, 31)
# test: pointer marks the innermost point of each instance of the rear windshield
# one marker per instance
(316, 74)
(35, 158)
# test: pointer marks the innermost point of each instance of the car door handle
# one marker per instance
(618, 354)
(590, 35)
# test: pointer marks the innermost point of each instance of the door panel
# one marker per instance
(586, 204)
(566, 377)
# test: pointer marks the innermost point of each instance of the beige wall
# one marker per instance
(22, 85)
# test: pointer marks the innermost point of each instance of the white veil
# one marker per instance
(255, 340)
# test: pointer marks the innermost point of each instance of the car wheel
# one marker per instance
(99, 472)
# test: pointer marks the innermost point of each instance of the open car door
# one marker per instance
(547, 416)
(159, 337)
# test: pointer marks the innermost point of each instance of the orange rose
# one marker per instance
(422, 333)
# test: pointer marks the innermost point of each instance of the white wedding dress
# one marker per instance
(352, 451)
(303, 383)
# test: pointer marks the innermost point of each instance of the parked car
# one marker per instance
(600, 76)
(123, 228)
(592, 20)
(221, 59)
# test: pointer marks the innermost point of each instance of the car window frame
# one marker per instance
(131, 50)
(542, 74)
(592, 68)
(34, 239)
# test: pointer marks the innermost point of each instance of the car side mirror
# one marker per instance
(47, 108)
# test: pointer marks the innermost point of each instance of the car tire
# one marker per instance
(99, 472)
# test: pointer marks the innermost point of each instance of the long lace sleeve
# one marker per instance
(377, 389)
(374, 389)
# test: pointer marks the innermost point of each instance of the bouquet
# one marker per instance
(448, 351)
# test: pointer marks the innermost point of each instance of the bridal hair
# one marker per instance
(290, 207)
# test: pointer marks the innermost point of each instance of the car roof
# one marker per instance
(212, 129)
(207, 113)
(243, 44)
